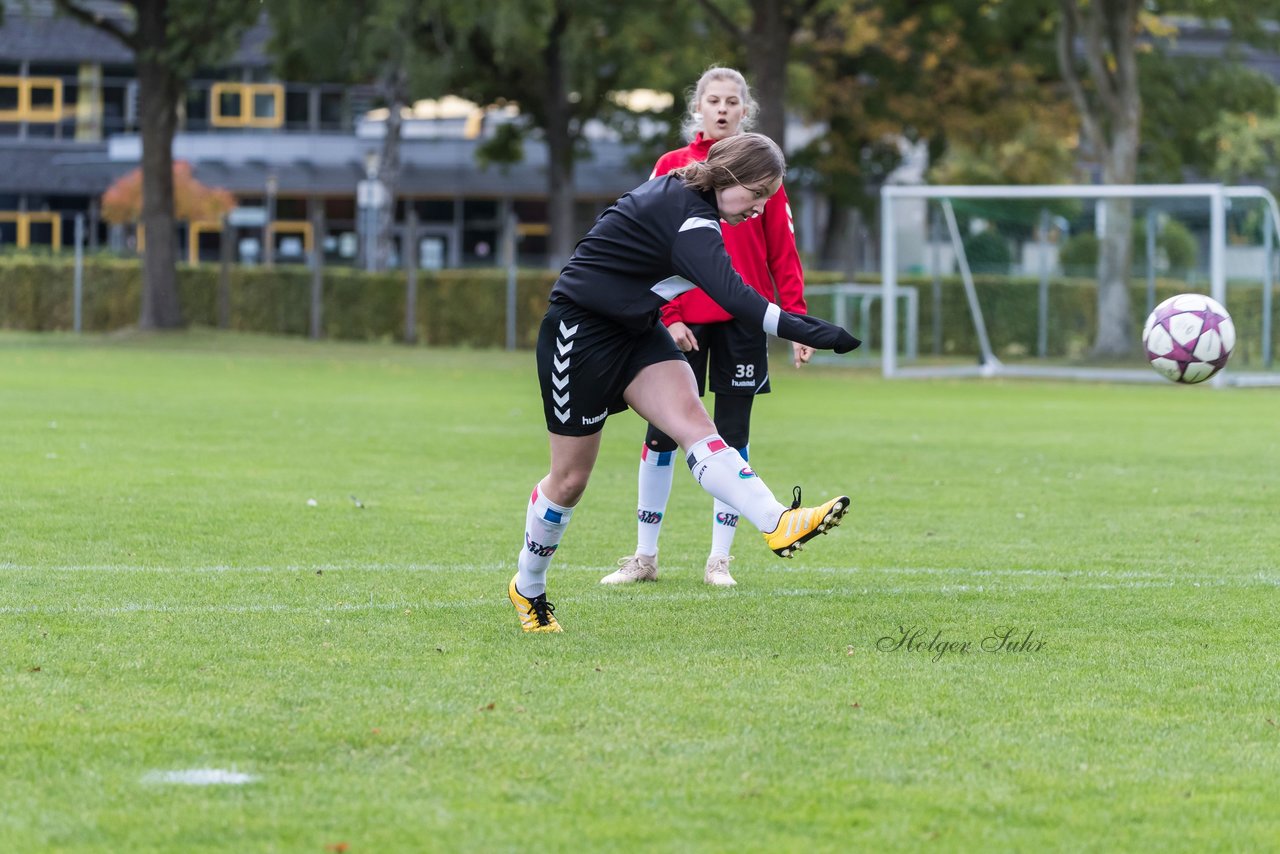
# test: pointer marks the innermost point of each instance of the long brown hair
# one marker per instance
(749, 159)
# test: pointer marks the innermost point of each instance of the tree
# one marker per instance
(1110, 114)
(766, 41)
(1246, 146)
(395, 45)
(561, 61)
(169, 40)
(1108, 37)
(1209, 88)
(971, 79)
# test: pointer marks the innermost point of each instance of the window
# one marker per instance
(290, 240)
(42, 228)
(434, 210)
(333, 111)
(30, 99)
(297, 109)
(252, 105)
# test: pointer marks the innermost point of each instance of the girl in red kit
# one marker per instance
(763, 251)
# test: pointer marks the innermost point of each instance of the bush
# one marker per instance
(1174, 241)
(454, 307)
(987, 252)
(1079, 254)
(467, 308)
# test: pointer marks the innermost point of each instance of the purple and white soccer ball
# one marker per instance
(1188, 338)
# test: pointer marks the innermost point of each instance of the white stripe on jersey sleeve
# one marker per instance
(771, 316)
(700, 222)
(672, 287)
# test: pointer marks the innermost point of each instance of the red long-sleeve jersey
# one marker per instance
(763, 251)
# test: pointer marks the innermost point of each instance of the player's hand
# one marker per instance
(801, 353)
(683, 336)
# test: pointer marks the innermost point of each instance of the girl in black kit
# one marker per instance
(602, 348)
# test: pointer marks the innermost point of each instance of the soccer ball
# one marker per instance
(1188, 338)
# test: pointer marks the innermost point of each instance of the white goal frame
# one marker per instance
(1216, 194)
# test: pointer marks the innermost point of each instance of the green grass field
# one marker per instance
(170, 601)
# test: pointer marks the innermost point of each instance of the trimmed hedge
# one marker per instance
(468, 307)
(1010, 308)
(455, 307)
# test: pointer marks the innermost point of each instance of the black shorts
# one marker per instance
(586, 362)
(739, 355)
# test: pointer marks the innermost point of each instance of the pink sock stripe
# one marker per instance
(707, 447)
(549, 510)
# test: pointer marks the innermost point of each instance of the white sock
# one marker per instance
(656, 473)
(723, 526)
(723, 472)
(724, 523)
(544, 525)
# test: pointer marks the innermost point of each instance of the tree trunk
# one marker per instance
(1111, 116)
(158, 92)
(560, 190)
(769, 47)
(1115, 251)
(1115, 336)
(395, 88)
(835, 254)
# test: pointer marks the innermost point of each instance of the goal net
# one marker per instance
(1005, 280)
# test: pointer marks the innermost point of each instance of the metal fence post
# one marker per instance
(409, 252)
(78, 297)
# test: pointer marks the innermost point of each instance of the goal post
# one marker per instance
(904, 225)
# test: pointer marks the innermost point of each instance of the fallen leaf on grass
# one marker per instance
(488, 708)
(339, 847)
(36, 669)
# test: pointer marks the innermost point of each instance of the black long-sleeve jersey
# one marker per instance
(652, 245)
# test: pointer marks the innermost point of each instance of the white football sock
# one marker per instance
(656, 472)
(723, 472)
(544, 525)
(724, 523)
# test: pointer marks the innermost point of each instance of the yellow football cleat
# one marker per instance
(799, 525)
(536, 614)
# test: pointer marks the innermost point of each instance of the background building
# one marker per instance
(291, 153)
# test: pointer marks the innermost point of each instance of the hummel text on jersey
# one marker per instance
(596, 419)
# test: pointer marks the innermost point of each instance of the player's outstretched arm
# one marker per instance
(806, 329)
(698, 254)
